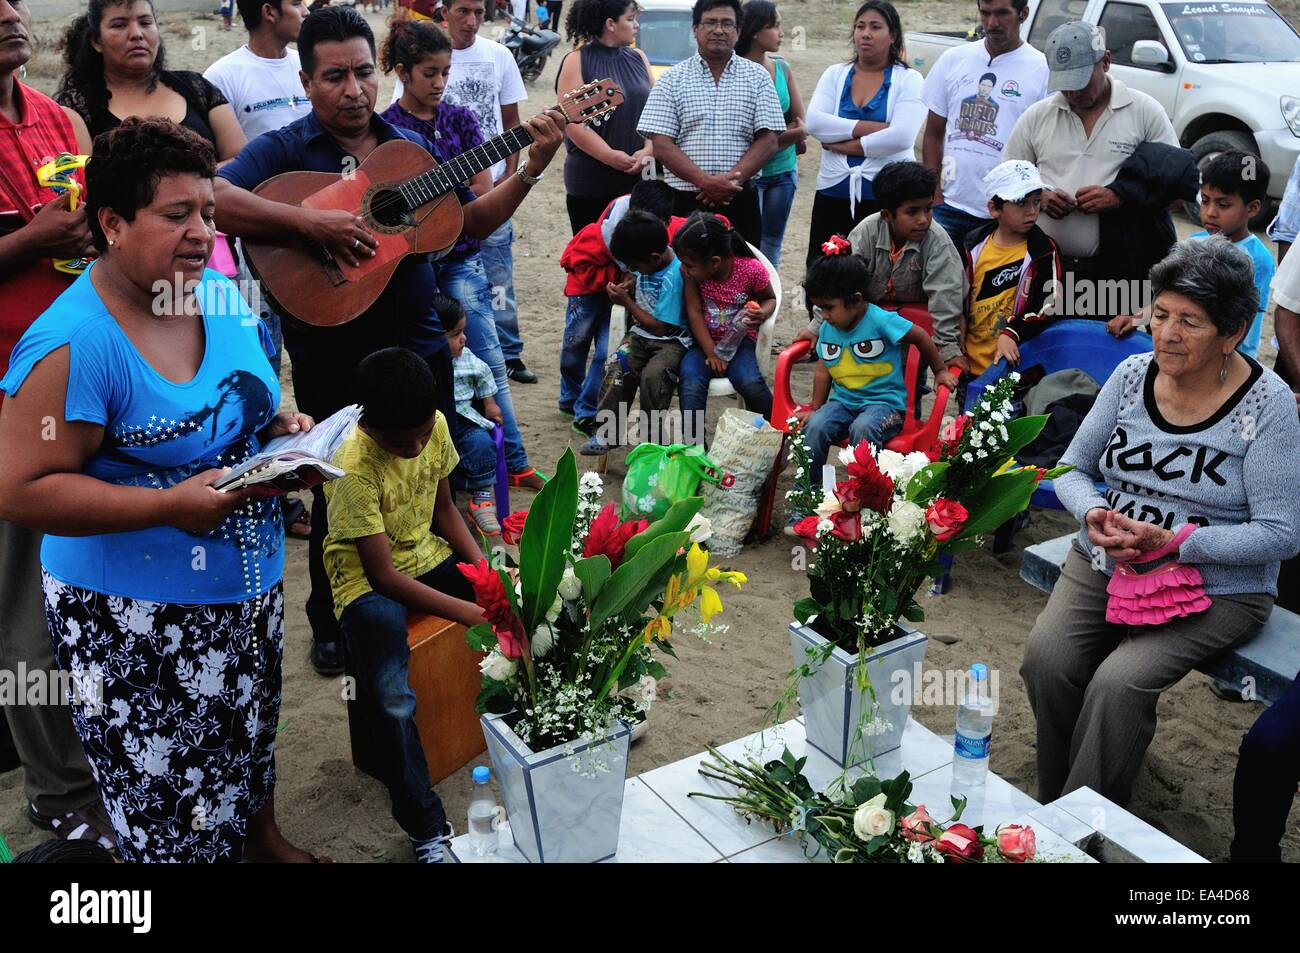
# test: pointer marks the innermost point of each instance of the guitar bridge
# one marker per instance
(331, 267)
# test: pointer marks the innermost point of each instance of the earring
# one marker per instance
(1223, 371)
(110, 242)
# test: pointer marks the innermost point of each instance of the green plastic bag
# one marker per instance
(659, 476)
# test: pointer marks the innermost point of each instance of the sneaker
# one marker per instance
(518, 372)
(584, 425)
(432, 850)
(566, 411)
(484, 511)
(594, 447)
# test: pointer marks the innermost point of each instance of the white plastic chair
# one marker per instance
(720, 386)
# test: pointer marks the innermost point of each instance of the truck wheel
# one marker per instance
(1210, 145)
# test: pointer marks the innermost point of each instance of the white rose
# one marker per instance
(700, 528)
(890, 463)
(830, 504)
(497, 667)
(906, 520)
(916, 462)
(544, 637)
(570, 585)
(871, 819)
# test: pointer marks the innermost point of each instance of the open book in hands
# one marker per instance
(295, 461)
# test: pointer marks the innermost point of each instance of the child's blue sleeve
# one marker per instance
(893, 326)
(672, 302)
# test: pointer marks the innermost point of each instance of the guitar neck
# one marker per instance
(439, 181)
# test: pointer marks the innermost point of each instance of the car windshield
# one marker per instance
(665, 36)
(1233, 33)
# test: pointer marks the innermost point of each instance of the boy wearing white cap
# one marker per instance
(1012, 269)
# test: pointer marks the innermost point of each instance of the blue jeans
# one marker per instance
(499, 260)
(478, 457)
(1268, 770)
(375, 629)
(775, 197)
(467, 282)
(693, 386)
(956, 223)
(833, 421)
(586, 322)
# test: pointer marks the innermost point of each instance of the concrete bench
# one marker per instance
(1268, 663)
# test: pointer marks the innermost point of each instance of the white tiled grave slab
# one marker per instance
(1050, 846)
(649, 832)
(1124, 837)
(922, 751)
(993, 803)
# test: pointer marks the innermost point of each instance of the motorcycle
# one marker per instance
(530, 47)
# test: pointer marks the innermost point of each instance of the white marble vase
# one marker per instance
(832, 705)
(564, 804)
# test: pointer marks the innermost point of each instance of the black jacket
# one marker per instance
(1140, 232)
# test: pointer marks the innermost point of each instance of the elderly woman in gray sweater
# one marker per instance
(1196, 434)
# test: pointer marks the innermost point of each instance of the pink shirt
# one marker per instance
(722, 299)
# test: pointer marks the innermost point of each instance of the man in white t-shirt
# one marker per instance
(485, 80)
(262, 78)
(975, 93)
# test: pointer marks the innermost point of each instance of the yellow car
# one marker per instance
(665, 33)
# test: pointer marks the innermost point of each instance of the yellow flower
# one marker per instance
(737, 579)
(660, 627)
(697, 564)
(710, 603)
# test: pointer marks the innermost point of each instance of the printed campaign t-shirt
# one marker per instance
(158, 433)
(484, 77)
(660, 293)
(383, 493)
(265, 94)
(1265, 267)
(866, 362)
(722, 299)
(981, 97)
(992, 300)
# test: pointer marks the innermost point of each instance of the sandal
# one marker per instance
(531, 478)
(89, 823)
(297, 521)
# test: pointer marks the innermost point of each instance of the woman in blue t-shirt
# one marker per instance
(124, 402)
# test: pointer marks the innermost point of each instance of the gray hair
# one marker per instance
(1214, 273)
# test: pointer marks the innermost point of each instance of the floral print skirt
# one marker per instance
(178, 717)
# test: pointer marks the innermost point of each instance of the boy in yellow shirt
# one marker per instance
(1012, 268)
(383, 560)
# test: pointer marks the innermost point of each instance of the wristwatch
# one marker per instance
(529, 180)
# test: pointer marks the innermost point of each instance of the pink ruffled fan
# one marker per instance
(1171, 591)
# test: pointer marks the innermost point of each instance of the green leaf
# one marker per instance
(958, 807)
(928, 482)
(481, 638)
(805, 609)
(955, 547)
(632, 576)
(493, 697)
(1023, 431)
(845, 855)
(865, 788)
(656, 670)
(677, 518)
(877, 842)
(592, 573)
(1059, 471)
(914, 613)
(544, 546)
(998, 500)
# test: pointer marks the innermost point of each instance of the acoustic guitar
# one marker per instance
(408, 203)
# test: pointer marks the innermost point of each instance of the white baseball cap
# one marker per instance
(1013, 180)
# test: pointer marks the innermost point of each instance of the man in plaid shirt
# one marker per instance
(714, 119)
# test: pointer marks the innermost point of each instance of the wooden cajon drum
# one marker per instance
(444, 674)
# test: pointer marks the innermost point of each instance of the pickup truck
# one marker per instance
(1228, 74)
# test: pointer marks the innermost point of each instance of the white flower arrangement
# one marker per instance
(906, 521)
(497, 667)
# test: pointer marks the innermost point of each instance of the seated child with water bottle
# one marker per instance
(472, 382)
(728, 295)
(656, 337)
(395, 537)
(858, 386)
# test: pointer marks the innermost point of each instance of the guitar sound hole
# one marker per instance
(388, 208)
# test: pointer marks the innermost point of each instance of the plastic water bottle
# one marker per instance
(727, 347)
(970, 763)
(482, 813)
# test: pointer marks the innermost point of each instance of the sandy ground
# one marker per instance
(720, 691)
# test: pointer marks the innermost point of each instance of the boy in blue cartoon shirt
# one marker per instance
(858, 389)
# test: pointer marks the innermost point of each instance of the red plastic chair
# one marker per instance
(917, 434)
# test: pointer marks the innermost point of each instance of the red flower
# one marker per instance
(806, 529)
(1016, 843)
(950, 438)
(848, 526)
(916, 826)
(490, 596)
(874, 491)
(959, 844)
(512, 527)
(608, 537)
(946, 518)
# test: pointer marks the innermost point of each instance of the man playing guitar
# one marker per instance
(337, 49)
